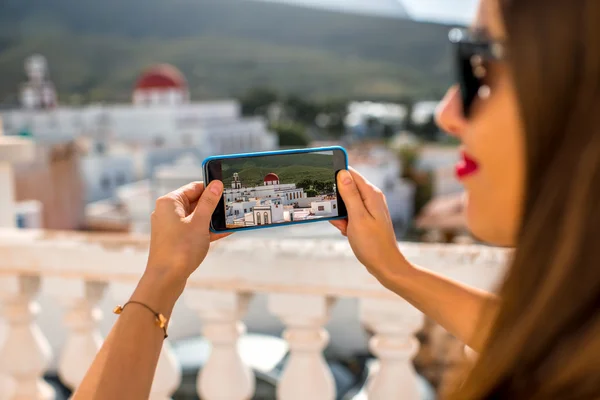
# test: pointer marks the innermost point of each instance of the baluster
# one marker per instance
(168, 371)
(225, 376)
(394, 323)
(306, 375)
(26, 352)
(82, 317)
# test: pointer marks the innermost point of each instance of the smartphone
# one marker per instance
(275, 188)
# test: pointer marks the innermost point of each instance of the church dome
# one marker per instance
(161, 76)
(271, 177)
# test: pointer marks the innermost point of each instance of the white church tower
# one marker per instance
(236, 183)
(37, 93)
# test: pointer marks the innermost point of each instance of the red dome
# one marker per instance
(162, 76)
(271, 177)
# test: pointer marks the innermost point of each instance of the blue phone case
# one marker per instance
(270, 153)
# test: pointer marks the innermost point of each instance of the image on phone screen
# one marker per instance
(266, 190)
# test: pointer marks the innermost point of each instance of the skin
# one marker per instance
(124, 368)
(125, 365)
(494, 138)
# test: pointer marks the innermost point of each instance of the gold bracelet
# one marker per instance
(161, 321)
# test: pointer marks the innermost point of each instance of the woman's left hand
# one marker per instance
(180, 230)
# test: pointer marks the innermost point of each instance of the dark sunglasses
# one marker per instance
(473, 51)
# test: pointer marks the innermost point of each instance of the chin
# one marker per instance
(487, 224)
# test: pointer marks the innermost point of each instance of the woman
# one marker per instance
(528, 113)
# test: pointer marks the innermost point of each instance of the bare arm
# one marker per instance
(463, 311)
(124, 368)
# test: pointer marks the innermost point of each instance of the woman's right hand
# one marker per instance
(369, 227)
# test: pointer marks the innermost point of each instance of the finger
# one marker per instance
(341, 225)
(189, 195)
(207, 203)
(350, 195)
(218, 236)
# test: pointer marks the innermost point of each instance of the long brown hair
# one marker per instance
(545, 341)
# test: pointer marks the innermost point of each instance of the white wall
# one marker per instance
(242, 208)
(305, 202)
(327, 207)
(103, 174)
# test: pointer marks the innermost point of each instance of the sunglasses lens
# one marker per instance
(468, 82)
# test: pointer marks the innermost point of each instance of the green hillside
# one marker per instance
(97, 49)
(294, 168)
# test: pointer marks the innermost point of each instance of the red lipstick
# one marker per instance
(466, 167)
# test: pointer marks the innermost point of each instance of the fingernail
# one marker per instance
(215, 187)
(345, 177)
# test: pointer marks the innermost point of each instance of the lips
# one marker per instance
(466, 167)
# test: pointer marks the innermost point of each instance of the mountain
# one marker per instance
(97, 49)
(384, 8)
(294, 168)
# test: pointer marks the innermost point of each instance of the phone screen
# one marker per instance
(262, 190)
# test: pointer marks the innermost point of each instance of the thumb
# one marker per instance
(350, 195)
(208, 201)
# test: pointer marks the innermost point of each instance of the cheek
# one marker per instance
(495, 194)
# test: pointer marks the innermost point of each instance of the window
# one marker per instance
(105, 183)
(237, 212)
(258, 218)
(334, 206)
(321, 208)
(266, 217)
(245, 210)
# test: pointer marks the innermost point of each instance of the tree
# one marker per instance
(256, 100)
(311, 193)
(305, 184)
(291, 134)
(301, 109)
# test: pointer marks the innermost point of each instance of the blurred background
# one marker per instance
(123, 99)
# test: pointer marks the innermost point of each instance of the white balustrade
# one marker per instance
(393, 323)
(302, 279)
(306, 375)
(25, 352)
(80, 300)
(168, 374)
(225, 376)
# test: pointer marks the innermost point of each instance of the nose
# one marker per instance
(449, 114)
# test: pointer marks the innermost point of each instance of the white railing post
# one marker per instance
(26, 352)
(168, 371)
(168, 374)
(225, 376)
(394, 323)
(80, 299)
(306, 375)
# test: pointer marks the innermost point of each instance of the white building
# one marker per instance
(104, 173)
(267, 214)
(288, 193)
(161, 115)
(324, 207)
(240, 209)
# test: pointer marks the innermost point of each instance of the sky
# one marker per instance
(448, 11)
(441, 10)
